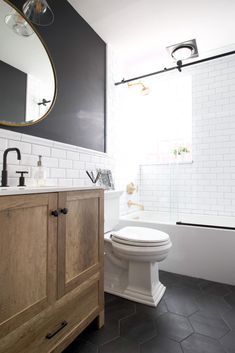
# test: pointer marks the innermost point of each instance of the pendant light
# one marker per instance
(18, 24)
(38, 12)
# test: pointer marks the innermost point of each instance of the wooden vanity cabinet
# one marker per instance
(51, 269)
(27, 258)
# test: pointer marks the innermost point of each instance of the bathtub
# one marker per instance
(203, 249)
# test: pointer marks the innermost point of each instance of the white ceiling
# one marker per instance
(140, 30)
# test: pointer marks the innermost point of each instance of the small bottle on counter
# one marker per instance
(40, 174)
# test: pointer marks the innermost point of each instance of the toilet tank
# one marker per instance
(111, 209)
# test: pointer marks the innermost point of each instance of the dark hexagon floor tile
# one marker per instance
(168, 278)
(190, 282)
(228, 342)
(201, 344)
(109, 298)
(229, 318)
(118, 309)
(138, 328)
(152, 312)
(160, 345)
(120, 345)
(209, 325)
(230, 299)
(181, 303)
(174, 326)
(178, 291)
(213, 288)
(212, 304)
(100, 336)
(81, 346)
(181, 281)
(231, 288)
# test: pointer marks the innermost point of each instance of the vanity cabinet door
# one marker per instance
(28, 259)
(80, 238)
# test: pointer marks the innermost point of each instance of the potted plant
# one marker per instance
(180, 152)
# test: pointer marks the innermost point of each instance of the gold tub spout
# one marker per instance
(131, 203)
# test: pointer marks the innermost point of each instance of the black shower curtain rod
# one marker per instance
(178, 67)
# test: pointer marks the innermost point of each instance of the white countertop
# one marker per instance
(5, 191)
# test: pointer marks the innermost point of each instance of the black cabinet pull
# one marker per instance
(57, 329)
(64, 210)
(55, 213)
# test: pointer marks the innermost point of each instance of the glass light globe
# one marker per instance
(19, 25)
(38, 12)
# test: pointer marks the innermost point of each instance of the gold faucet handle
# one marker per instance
(131, 188)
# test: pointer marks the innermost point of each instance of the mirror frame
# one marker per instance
(30, 123)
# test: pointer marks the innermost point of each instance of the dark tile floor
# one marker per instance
(194, 316)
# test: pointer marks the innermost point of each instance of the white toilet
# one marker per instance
(131, 257)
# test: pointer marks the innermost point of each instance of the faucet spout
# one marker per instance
(4, 171)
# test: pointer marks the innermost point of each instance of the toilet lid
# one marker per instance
(140, 236)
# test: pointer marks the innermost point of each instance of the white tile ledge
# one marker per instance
(7, 191)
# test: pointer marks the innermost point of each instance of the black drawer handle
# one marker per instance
(57, 329)
(55, 213)
(64, 210)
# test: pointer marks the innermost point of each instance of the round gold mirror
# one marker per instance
(27, 75)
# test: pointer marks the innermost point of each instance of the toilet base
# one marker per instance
(151, 300)
(139, 282)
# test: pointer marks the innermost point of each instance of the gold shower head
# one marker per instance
(144, 89)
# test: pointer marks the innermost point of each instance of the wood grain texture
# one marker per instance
(27, 231)
(101, 318)
(62, 201)
(76, 308)
(23, 201)
(80, 238)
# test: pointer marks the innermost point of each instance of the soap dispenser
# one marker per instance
(40, 173)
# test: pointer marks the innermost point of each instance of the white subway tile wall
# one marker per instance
(206, 186)
(65, 164)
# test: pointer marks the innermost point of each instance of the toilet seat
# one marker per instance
(141, 237)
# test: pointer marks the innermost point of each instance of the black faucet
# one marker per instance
(4, 171)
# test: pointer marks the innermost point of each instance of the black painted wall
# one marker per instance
(79, 55)
(13, 83)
